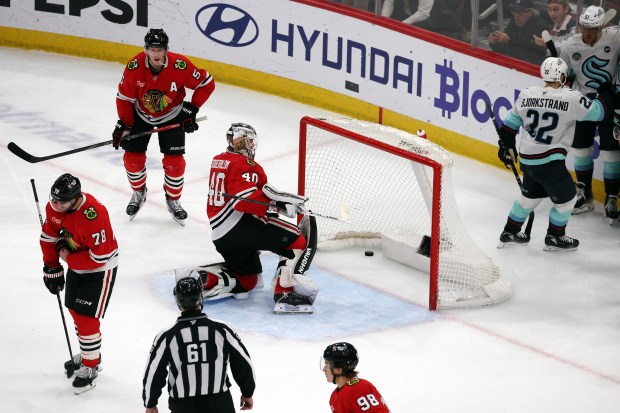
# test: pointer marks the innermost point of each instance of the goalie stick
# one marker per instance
(70, 366)
(255, 201)
(609, 15)
(512, 166)
(13, 147)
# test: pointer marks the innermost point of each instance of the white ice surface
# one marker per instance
(553, 347)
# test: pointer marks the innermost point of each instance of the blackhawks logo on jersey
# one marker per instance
(180, 64)
(133, 64)
(90, 213)
(71, 244)
(155, 101)
(250, 162)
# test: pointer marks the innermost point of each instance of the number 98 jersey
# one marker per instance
(357, 396)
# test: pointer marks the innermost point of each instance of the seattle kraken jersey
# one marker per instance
(592, 65)
(548, 117)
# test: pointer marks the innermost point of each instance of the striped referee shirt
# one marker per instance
(194, 353)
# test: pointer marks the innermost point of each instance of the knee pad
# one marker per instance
(583, 152)
(135, 162)
(174, 165)
(528, 204)
(566, 207)
(610, 156)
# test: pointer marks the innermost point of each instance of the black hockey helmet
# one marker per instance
(188, 292)
(342, 355)
(156, 38)
(66, 188)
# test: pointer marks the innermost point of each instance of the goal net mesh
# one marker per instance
(373, 181)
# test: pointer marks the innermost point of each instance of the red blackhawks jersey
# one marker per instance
(157, 98)
(357, 396)
(234, 174)
(88, 232)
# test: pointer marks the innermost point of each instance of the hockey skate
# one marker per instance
(585, 199)
(507, 239)
(563, 243)
(176, 210)
(75, 363)
(291, 303)
(85, 379)
(137, 201)
(611, 209)
(226, 285)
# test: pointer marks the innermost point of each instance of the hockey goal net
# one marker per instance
(374, 183)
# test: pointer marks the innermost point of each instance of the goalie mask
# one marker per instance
(242, 139)
(552, 70)
(188, 292)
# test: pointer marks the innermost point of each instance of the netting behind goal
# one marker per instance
(383, 185)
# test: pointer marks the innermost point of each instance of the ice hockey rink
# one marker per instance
(554, 346)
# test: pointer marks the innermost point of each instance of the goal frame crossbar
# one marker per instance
(437, 168)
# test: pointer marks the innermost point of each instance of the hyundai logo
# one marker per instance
(227, 25)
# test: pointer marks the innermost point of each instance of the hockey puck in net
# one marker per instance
(369, 253)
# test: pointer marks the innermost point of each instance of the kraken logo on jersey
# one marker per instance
(90, 213)
(180, 64)
(133, 64)
(155, 101)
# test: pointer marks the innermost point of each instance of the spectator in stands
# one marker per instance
(358, 4)
(439, 16)
(518, 39)
(564, 22)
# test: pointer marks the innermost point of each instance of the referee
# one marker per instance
(194, 353)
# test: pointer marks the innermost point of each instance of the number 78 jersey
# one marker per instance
(357, 396)
(548, 117)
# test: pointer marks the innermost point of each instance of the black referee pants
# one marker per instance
(211, 403)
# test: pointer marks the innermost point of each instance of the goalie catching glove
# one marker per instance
(283, 202)
(54, 278)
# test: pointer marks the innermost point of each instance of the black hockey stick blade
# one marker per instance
(35, 159)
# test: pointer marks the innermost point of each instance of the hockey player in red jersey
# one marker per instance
(151, 94)
(352, 394)
(243, 212)
(77, 230)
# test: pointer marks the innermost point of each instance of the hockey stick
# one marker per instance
(609, 15)
(69, 365)
(530, 220)
(35, 159)
(301, 210)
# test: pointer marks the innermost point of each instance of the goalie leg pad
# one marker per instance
(286, 197)
(305, 287)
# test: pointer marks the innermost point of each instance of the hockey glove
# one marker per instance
(120, 131)
(61, 243)
(283, 208)
(187, 117)
(506, 155)
(54, 278)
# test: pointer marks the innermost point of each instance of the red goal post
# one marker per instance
(383, 186)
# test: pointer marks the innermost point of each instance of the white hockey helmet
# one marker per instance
(552, 70)
(592, 18)
(242, 139)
